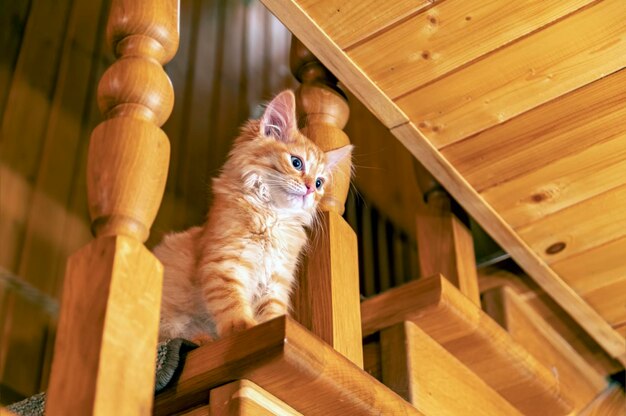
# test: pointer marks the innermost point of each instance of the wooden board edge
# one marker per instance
(337, 61)
(505, 236)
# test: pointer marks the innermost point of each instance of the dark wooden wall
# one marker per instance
(233, 56)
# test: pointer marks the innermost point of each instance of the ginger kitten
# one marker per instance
(238, 268)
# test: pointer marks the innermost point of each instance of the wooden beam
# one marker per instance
(244, 398)
(327, 296)
(580, 383)
(469, 334)
(106, 343)
(419, 369)
(290, 363)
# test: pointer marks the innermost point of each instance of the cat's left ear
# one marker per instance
(279, 119)
(336, 156)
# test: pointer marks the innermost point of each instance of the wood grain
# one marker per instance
(288, 362)
(463, 329)
(244, 398)
(608, 224)
(579, 382)
(565, 182)
(605, 263)
(565, 127)
(419, 369)
(106, 348)
(447, 36)
(539, 68)
(307, 31)
(350, 22)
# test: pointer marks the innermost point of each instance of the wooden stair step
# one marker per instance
(287, 361)
(467, 332)
(419, 369)
(580, 383)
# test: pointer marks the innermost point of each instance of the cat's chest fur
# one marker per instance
(274, 244)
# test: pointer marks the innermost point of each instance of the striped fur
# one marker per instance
(238, 268)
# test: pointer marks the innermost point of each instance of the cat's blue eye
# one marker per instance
(297, 162)
(319, 182)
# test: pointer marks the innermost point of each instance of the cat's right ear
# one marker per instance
(279, 118)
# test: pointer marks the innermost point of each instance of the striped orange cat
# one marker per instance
(237, 269)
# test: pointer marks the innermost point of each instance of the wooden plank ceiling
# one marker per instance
(519, 109)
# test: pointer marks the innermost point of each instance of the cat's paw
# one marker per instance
(202, 339)
(235, 325)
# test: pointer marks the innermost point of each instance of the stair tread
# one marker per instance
(289, 362)
(461, 327)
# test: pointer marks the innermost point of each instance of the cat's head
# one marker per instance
(282, 165)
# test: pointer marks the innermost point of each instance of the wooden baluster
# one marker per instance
(444, 243)
(106, 342)
(327, 299)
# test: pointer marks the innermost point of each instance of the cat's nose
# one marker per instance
(309, 188)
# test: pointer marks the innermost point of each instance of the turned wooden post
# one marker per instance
(327, 298)
(105, 350)
(444, 243)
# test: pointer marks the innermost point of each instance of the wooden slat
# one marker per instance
(570, 227)
(597, 267)
(307, 31)
(244, 398)
(461, 327)
(287, 361)
(567, 181)
(579, 382)
(448, 36)
(350, 21)
(536, 139)
(514, 79)
(24, 121)
(419, 369)
(610, 301)
(13, 17)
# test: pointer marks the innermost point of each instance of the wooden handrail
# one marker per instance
(327, 298)
(106, 343)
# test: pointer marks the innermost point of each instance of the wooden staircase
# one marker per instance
(430, 347)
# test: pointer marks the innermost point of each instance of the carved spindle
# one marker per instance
(445, 244)
(106, 343)
(327, 298)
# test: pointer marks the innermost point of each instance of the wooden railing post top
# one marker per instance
(319, 103)
(319, 99)
(151, 25)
